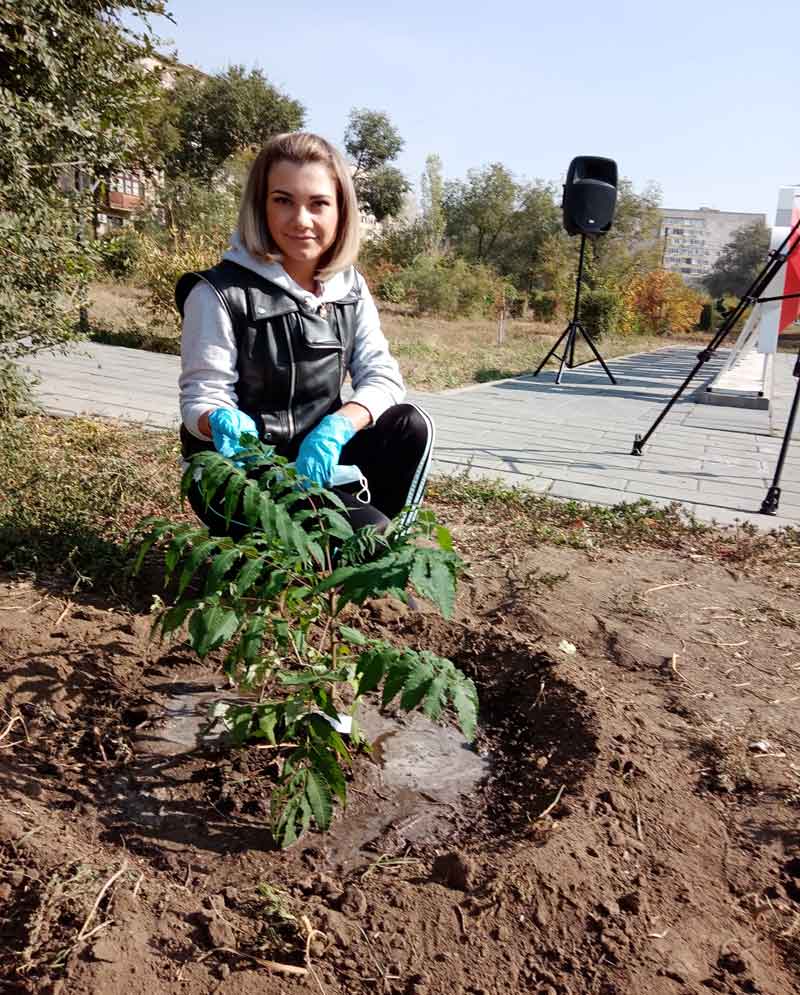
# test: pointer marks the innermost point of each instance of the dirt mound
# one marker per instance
(636, 830)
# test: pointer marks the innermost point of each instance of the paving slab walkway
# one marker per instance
(568, 441)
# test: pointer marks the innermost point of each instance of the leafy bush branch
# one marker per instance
(273, 599)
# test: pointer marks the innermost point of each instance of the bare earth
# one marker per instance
(637, 832)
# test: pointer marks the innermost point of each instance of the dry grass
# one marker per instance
(433, 353)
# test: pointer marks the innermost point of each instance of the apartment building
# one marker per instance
(692, 240)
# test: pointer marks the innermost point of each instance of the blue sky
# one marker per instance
(697, 97)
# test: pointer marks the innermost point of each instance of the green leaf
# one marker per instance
(173, 618)
(317, 552)
(252, 503)
(220, 565)
(178, 545)
(249, 574)
(336, 524)
(160, 527)
(318, 794)
(416, 686)
(210, 627)
(372, 665)
(197, 556)
(369, 580)
(433, 575)
(352, 636)
(233, 492)
(268, 718)
(214, 476)
(465, 703)
(327, 765)
(444, 538)
(396, 677)
(435, 695)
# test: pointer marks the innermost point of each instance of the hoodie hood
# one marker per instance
(334, 289)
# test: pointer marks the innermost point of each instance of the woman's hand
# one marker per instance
(321, 448)
(226, 426)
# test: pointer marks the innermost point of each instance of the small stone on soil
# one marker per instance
(220, 933)
(454, 870)
(353, 902)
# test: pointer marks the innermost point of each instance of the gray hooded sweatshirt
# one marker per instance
(208, 346)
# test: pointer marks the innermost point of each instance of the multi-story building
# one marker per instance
(692, 240)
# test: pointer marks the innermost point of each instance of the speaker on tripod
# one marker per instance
(588, 205)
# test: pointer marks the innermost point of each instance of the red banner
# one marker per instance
(790, 310)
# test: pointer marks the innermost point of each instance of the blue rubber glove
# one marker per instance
(321, 448)
(227, 425)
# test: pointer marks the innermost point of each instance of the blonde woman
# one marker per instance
(272, 331)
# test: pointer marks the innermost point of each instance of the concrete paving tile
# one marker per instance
(588, 494)
(723, 516)
(733, 490)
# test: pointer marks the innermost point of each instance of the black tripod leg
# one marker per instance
(641, 440)
(597, 355)
(550, 354)
(571, 362)
(769, 505)
(569, 346)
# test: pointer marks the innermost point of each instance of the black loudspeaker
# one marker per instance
(590, 195)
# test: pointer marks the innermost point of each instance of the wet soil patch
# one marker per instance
(420, 785)
(537, 729)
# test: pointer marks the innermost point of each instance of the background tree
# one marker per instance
(740, 261)
(372, 142)
(432, 197)
(73, 103)
(219, 116)
(632, 246)
(479, 210)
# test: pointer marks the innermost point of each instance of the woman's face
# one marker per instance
(302, 213)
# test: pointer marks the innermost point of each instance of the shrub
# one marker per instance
(161, 265)
(16, 395)
(662, 303)
(543, 304)
(398, 244)
(119, 254)
(601, 310)
(392, 289)
(706, 319)
(451, 287)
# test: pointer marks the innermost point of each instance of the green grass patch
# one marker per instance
(540, 519)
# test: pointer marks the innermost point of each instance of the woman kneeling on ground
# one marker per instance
(271, 332)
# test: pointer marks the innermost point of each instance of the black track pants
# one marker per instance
(394, 455)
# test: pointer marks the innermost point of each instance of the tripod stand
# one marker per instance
(769, 506)
(751, 296)
(571, 332)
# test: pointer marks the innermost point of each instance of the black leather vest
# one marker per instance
(292, 360)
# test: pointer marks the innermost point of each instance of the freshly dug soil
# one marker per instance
(636, 834)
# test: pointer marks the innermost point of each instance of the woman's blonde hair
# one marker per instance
(300, 147)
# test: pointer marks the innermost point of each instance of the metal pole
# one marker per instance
(769, 506)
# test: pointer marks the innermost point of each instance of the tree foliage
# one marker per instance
(432, 197)
(373, 143)
(740, 261)
(216, 117)
(660, 303)
(383, 191)
(73, 97)
(371, 140)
